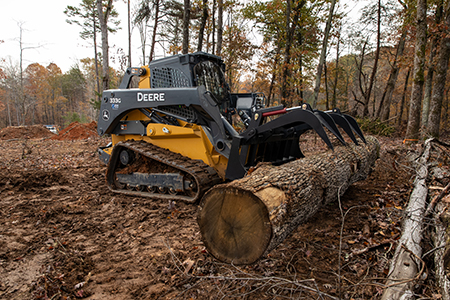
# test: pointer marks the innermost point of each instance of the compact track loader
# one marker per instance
(173, 137)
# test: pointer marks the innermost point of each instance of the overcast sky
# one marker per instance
(54, 40)
(45, 28)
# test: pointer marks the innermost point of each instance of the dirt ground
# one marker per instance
(64, 235)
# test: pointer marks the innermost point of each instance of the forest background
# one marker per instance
(387, 65)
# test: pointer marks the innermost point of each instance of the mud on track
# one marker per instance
(64, 235)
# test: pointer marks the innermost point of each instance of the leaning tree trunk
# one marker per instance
(245, 219)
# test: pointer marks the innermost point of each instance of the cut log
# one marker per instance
(245, 219)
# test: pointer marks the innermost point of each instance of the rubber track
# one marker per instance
(204, 175)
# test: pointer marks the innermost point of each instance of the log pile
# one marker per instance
(243, 220)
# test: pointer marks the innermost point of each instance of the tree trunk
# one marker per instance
(213, 33)
(385, 103)
(286, 59)
(245, 219)
(429, 79)
(375, 64)
(290, 30)
(327, 96)
(143, 37)
(300, 65)
(336, 71)
(129, 33)
(103, 17)
(323, 53)
(155, 30)
(274, 75)
(201, 31)
(434, 117)
(412, 130)
(97, 75)
(445, 108)
(219, 26)
(402, 102)
(186, 21)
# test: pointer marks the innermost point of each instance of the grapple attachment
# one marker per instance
(276, 140)
(348, 124)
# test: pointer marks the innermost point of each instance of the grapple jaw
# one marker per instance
(348, 124)
(277, 140)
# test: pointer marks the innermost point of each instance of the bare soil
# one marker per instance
(64, 235)
(25, 132)
(77, 131)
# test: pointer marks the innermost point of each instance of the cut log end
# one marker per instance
(235, 226)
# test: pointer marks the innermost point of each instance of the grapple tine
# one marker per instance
(355, 127)
(317, 126)
(345, 125)
(301, 117)
(316, 120)
(328, 122)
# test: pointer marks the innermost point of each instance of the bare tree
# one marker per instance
(141, 20)
(21, 102)
(148, 9)
(323, 53)
(375, 64)
(386, 99)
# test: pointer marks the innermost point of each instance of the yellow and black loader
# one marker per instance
(174, 136)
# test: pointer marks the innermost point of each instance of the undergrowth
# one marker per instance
(375, 127)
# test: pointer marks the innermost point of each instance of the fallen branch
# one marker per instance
(436, 199)
(405, 265)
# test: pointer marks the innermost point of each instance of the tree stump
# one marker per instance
(245, 219)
